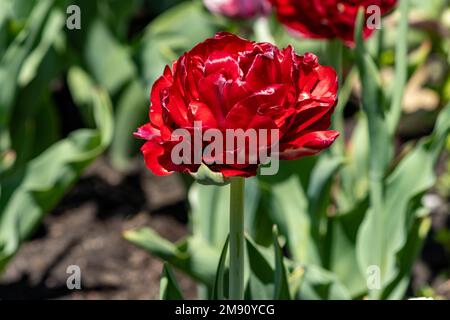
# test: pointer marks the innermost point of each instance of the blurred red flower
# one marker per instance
(242, 9)
(328, 19)
(227, 82)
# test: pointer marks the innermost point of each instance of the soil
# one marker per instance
(86, 230)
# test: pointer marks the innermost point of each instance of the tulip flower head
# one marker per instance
(230, 104)
(329, 19)
(240, 9)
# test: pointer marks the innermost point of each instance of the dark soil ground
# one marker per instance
(86, 230)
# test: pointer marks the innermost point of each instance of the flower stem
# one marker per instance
(236, 239)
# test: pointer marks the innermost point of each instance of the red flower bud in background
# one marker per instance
(328, 19)
(227, 82)
(242, 9)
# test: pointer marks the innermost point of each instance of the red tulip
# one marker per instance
(328, 19)
(226, 83)
(238, 8)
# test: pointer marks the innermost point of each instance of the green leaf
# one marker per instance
(132, 112)
(289, 209)
(220, 286)
(281, 290)
(192, 255)
(379, 148)
(47, 125)
(319, 284)
(118, 14)
(80, 86)
(207, 177)
(18, 9)
(30, 193)
(401, 68)
(51, 31)
(35, 119)
(407, 257)
(340, 249)
(379, 138)
(11, 63)
(169, 289)
(149, 240)
(256, 218)
(261, 283)
(107, 59)
(210, 213)
(319, 189)
(355, 172)
(171, 34)
(410, 179)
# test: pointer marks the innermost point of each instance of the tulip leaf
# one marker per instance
(410, 179)
(210, 212)
(281, 290)
(319, 284)
(207, 177)
(131, 112)
(149, 240)
(379, 141)
(220, 284)
(173, 32)
(28, 194)
(261, 283)
(36, 121)
(107, 59)
(50, 33)
(192, 255)
(289, 209)
(355, 172)
(257, 218)
(401, 68)
(169, 289)
(340, 255)
(11, 62)
(407, 256)
(319, 189)
(372, 104)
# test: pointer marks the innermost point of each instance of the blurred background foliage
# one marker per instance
(68, 96)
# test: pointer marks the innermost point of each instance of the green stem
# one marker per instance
(237, 239)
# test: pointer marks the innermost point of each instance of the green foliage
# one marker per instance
(336, 214)
(169, 289)
(339, 213)
(192, 255)
(220, 284)
(28, 192)
(37, 54)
